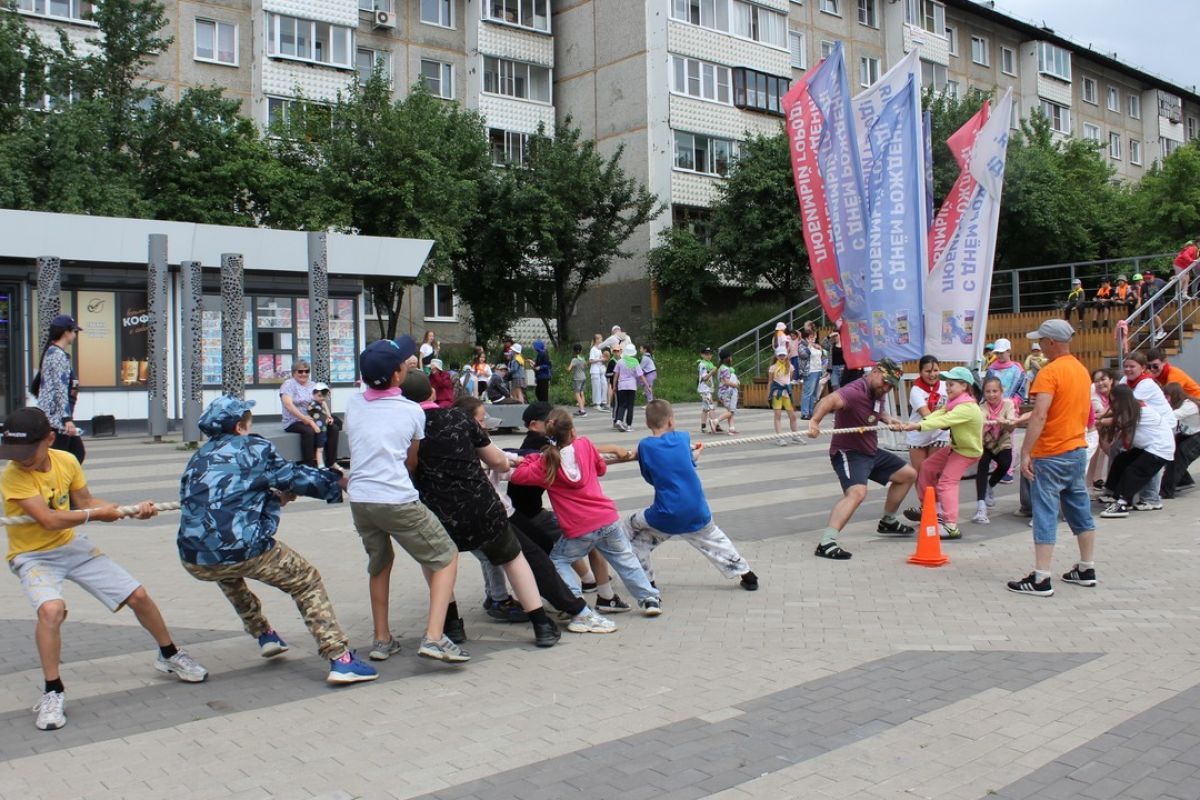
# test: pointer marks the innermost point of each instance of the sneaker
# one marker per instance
(442, 650)
(912, 514)
(591, 622)
(1145, 505)
(1106, 499)
(1097, 484)
(383, 650)
(182, 666)
(270, 644)
(348, 669)
(1023, 512)
(455, 630)
(950, 531)
(1117, 510)
(588, 588)
(1080, 577)
(1007, 479)
(579, 412)
(750, 582)
(50, 711)
(1030, 585)
(832, 551)
(781, 443)
(990, 498)
(651, 606)
(1158, 337)
(624, 426)
(895, 528)
(546, 634)
(981, 517)
(507, 610)
(614, 606)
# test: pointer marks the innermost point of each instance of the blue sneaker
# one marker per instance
(270, 644)
(348, 669)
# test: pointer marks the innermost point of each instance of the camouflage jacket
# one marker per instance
(229, 512)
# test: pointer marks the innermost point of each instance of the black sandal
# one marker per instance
(832, 551)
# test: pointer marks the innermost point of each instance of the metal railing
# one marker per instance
(1045, 287)
(752, 350)
(1159, 319)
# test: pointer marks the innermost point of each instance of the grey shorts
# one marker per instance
(578, 385)
(42, 573)
(412, 525)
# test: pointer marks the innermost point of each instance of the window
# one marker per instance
(927, 14)
(1193, 128)
(374, 5)
(1170, 106)
(980, 51)
(1135, 151)
(532, 14)
(826, 48)
(952, 39)
(868, 13)
(700, 79)
(797, 50)
(1054, 60)
(365, 61)
(1135, 111)
(437, 12)
(1008, 61)
(439, 302)
(1089, 91)
(508, 147)
(1059, 116)
(952, 89)
(707, 155)
(1114, 146)
(1114, 99)
(63, 9)
(307, 40)
(1091, 132)
(868, 70)
(759, 24)
(1167, 146)
(281, 109)
(705, 13)
(933, 76)
(516, 79)
(758, 91)
(438, 78)
(216, 42)
(831, 7)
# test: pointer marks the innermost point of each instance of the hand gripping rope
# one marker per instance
(729, 441)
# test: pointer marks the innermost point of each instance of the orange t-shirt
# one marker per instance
(1069, 382)
(1176, 375)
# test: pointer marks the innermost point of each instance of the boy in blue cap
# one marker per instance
(231, 492)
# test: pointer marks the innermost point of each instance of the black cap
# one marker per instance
(24, 430)
(539, 410)
(706, 349)
(65, 321)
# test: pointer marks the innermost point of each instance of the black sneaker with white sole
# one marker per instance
(912, 514)
(894, 528)
(614, 606)
(1031, 585)
(1117, 510)
(1080, 577)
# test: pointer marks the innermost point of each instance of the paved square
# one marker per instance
(862, 679)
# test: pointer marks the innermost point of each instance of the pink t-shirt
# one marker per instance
(581, 505)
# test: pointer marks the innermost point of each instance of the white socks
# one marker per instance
(605, 591)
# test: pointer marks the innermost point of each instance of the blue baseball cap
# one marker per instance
(65, 321)
(383, 358)
(223, 414)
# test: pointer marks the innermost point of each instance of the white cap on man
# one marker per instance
(1056, 330)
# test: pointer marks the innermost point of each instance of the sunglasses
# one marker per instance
(302, 371)
(1154, 367)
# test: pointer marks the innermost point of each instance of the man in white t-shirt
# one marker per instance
(596, 374)
(617, 340)
(384, 430)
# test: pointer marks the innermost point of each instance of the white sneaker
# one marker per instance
(1158, 337)
(591, 622)
(990, 498)
(981, 517)
(182, 666)
(50, 711)
(1145, 505)
(781, 443)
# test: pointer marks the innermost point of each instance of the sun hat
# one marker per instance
(436, 363)
(628, 350)
(1137, 276)
(516, 348)
(961, 374)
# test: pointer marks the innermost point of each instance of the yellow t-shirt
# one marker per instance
(17, 483)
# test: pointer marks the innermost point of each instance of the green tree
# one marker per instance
(681, 268)
(757, 233)
(587, 208)
(948, 114)
(1165, 206)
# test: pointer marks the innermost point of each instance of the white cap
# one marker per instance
(1077, 282)
(320, 386)
(615, 328)
(516, 348)
(1002, 346)
(781, 326)
(1056, 330)
(629, 350)
(436, 362)
(781, 351)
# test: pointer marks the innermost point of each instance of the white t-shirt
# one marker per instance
(1152, 395)
(816, 361)
(379, 433)
(1155, 432)
(596, 361)
(919, 398)
(1188, 417)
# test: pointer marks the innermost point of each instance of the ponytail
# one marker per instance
(561, 431)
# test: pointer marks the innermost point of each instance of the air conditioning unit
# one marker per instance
(385, 19)
(1175, 114)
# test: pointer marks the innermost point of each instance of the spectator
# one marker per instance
(542, 369)
(497, 386)
(1011, 374)
(296, 396)
(442, 383)
(1185, 262)
(1075, 301)
(596, 364)
(1125, 297)
(1054, 459)
(837, 361)
(578, 369)
(1152, 285)
(1033, 362)
(1102, 303)
(429, 349)
(517, 378)
(57, 387)
(812, 379)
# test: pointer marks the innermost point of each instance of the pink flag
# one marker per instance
(961, 143)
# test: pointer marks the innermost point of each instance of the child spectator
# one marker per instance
(231, 492)
(1075, 301)
(1151, 286)
(706, 372)
(610, 368)
(570, 469)
(542, 370)
(497, 385)
(442, 383)
(837, 360)
(1033, 362)
(779, 338)
(320, 409)
(779, 392)
(1148, 444)
(999, 419)
(946, 466)
(1185, 261)
(649, 370)
(482, 370)
(1124, 297)
(49, 485)
(727, 391)
(793, 353)
(667, 459)
(1102, 303)
(579, 376)
(626, 376)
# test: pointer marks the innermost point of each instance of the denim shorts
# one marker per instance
(1060, 481)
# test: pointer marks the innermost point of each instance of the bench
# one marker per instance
(509, 415)
(288, 444)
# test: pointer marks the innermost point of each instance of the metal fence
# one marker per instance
(1046, 287)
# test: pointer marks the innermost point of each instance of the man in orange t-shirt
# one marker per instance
(1165, 372)
(1054, 459)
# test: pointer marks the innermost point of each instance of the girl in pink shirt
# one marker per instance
(569, 470)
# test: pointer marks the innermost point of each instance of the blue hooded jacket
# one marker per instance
(541, 364)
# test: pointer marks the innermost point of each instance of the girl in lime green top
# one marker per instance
(944, 468)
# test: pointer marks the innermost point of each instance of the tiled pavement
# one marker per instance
(866, 679)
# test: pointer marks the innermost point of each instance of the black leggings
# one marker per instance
(1002, 460)
(1131, 470)
(550, 584)
(542, 388)
(1187, 449)
(308, 449)
(625, 401)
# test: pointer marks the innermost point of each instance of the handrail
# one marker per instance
(1018, 286)
(1175, 320)
(747, 348)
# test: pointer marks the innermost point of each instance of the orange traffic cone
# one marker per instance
(929, 538)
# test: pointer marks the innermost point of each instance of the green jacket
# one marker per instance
(964, 421)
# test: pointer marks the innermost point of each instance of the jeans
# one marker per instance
(495, 584)
(796, 368)
(835, 377)
(812, 384)
(613, 544)
(1059, 481)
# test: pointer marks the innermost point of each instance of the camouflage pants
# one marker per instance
(288, 571)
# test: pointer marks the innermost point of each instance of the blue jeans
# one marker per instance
(1058, 481)
(812, 384)
(613, 544)
(835, 379)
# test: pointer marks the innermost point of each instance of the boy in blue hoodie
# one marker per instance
(667, 459)
(231, 493)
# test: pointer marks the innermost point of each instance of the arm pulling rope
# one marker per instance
(126, 511)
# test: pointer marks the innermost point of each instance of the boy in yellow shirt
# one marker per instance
(47, 484)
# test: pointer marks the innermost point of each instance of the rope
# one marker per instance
(126, 511)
